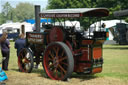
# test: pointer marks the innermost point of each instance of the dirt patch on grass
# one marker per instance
(18, 78)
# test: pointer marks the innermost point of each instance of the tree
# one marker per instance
(24, 11)
(6, 9)
(112, 5)
(2, 18)
(6, 12)
(55, 4)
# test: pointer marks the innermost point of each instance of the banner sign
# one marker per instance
(35, 38)
(60, 15)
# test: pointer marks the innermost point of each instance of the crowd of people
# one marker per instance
(5, 48)
(19, 44)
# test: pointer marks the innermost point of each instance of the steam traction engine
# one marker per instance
(64, 50)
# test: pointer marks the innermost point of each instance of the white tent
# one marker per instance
(12, 27)
(70, 24)
(108, 24)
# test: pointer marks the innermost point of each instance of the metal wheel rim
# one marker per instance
(56, 61)
(24, 60)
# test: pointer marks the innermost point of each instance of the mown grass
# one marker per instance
(115, 62)
(115, 66)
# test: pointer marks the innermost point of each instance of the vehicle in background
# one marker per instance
(14, 29)
(121, 33)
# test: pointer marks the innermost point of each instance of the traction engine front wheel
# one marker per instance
(25, 60)
(58, 61)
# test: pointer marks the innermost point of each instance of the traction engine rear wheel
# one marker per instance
(58, 61)
(25, 60)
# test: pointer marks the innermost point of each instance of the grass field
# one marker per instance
(115, 70)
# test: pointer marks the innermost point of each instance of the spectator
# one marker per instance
(103, 25)
(5, 50)
(20, 43)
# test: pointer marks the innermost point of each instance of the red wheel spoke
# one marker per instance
(62, 53)
(50, 59)
(26, 60)
(62, 74)
(58, 61)
(51, 65)
(63, 58)
(56, 51)
(56, 73)
(64, 63)
(62, 68)
(50, 53)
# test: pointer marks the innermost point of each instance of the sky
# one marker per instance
(42, 3)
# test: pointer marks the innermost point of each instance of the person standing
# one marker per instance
(5, 50)
(20, 43)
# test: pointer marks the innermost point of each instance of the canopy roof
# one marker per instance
(121, 13)
(74, 13)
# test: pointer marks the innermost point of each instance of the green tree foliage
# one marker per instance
(24, 11)
(6, 13)
(53, 4)
(58, 4)
(7, 8)
(20, 13)
(112, 5)
(2, 18)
